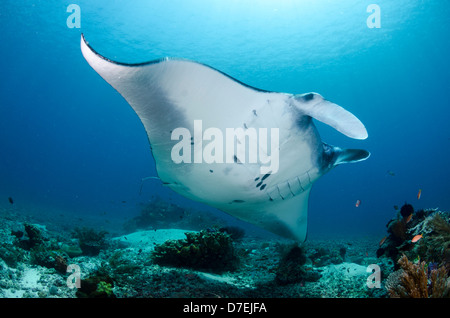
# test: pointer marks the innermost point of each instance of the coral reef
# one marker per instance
(96, 286)
(235, 232)
(208, 250)
(42, 256)
(29, 239)
(11, 254)
(90, 240)
(41, 250)
(323, 256)
(221, 262)
(121, 264)
(160, 214)
(72, 250)
(417, 281)
(34, 235)
(397, 227)
(343, 280)
(433, 245)
(427, 275)
(154, 214)
(290, 269)
(406, 211)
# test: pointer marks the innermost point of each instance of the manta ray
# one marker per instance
(188, 109)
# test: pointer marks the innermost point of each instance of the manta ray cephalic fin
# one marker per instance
(314, 105)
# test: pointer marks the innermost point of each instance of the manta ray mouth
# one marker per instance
(290, 188)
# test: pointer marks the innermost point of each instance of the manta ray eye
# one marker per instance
(328, 153)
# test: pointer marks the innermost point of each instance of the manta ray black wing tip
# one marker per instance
(83, 38)
(156, 61)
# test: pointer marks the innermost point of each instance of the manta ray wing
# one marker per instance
(171, 93)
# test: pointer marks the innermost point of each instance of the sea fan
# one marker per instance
(414, 281)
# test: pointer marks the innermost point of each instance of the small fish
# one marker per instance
(408, 218)
(391, 173)
(419, 194)
(382, 240)
(358, 202)
(416, 238)
(11, 200)
(396, 208)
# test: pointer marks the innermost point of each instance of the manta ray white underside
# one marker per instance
(174, 95)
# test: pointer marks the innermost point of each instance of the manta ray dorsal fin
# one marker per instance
(314, 105)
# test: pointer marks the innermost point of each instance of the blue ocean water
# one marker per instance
(71, 143)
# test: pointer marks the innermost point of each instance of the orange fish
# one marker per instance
(419, 194)
(416, 238)
(382, 240)
(409, 218)
(358, 202)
